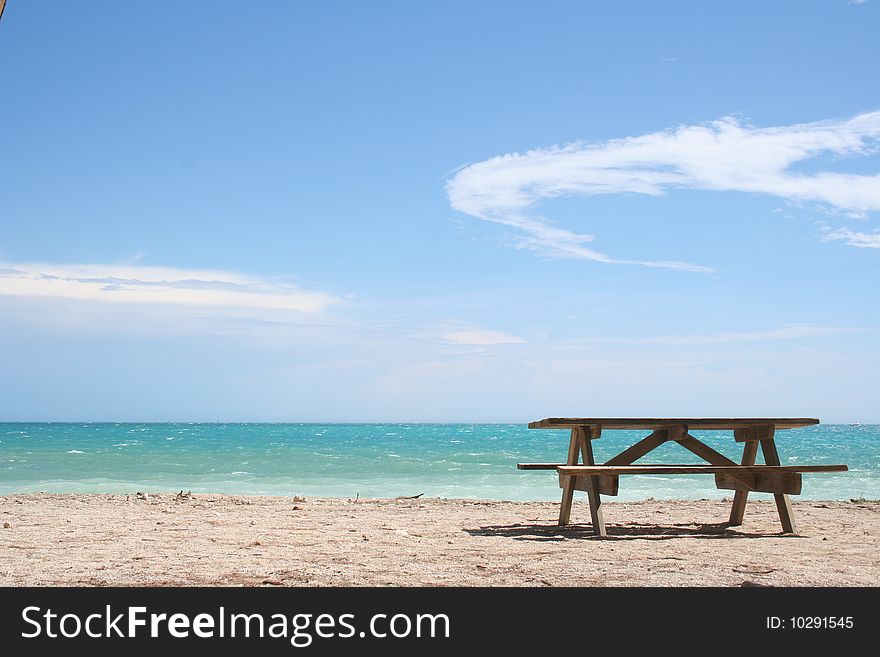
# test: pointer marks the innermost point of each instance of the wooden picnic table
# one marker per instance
(597, 480)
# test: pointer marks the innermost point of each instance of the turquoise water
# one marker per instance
(382, 460)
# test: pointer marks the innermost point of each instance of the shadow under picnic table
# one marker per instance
(628, 531)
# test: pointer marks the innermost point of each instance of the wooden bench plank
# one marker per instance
(595, 470)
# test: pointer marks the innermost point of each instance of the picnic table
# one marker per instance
(744, 477)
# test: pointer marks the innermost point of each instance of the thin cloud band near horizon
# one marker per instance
(158, 285)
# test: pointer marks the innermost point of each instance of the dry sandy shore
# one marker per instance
(270, 541)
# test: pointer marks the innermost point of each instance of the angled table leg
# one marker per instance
(596, 514)
(581, 443)
(568, 486)
(783, 502)
(750, 450)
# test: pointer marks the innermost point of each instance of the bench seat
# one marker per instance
(596, 470)
(779, 479)
(682, 468)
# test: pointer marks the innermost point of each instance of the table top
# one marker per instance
(665, 422)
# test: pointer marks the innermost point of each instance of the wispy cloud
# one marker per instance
(136, 284)
(480, 337)
(854, 238)
(787, 332)
(725, 155)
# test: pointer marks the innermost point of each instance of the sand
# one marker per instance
(119, 540)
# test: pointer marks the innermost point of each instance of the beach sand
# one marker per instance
(101, 540)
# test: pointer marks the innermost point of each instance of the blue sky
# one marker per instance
(447, 211)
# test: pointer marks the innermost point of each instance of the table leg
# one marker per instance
(596, 513)
(568, 486)
(750, 450)
(783, 502)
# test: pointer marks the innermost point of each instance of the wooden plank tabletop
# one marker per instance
(661, 423)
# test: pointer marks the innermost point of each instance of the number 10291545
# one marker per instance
(810, 623)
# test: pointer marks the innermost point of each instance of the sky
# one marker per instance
(439, 212)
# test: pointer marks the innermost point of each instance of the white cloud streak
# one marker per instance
(135, 284)
(854, 238)
(724, 155)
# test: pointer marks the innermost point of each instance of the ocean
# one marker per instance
(383, 460)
